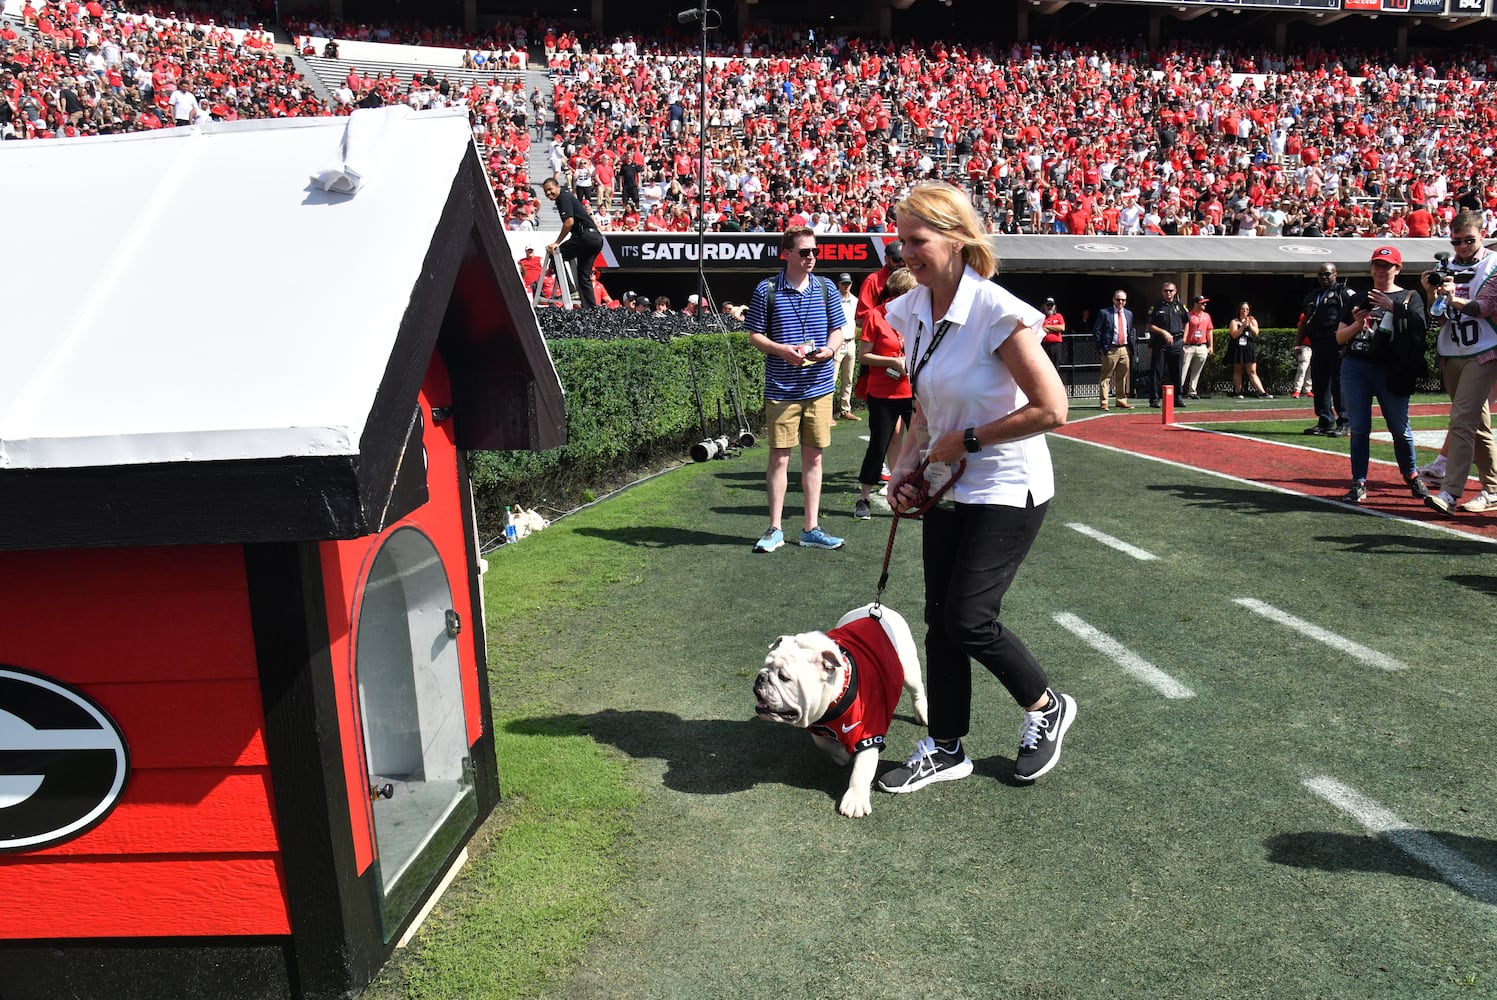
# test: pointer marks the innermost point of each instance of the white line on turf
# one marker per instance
(1337, 642)
(1112, 543)
(1470, 879)
(1371, 512)
(1123, 656)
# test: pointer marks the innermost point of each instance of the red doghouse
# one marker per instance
(244, 713)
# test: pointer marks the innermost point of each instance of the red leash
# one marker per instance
(924, 501)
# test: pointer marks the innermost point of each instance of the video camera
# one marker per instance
(1442, 265)
(1435, 278)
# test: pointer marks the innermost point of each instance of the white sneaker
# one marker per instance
(1481, 503)
(1433, 473)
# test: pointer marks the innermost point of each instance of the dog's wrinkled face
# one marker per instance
(799, 680)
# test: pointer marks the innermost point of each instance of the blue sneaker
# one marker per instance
(818, 539)
(770, 540)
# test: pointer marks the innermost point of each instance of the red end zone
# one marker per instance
(1297, 469)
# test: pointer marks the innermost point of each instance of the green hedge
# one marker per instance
(629, 403)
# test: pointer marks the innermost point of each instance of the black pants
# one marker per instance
(1053, 351)
(1166, 364)
(584, 247)
(1325, 380)
(971, 554)
(883, 414)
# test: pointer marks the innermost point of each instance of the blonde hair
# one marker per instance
(943, 207)
(901, 280)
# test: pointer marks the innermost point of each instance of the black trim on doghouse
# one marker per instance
(485, 763)
(254, 968)
(186, 504)
(395, 400)
(336, 943)
(506, 398)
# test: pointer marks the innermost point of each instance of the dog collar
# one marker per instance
(849, 692)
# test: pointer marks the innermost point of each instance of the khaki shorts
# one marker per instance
(807, 422)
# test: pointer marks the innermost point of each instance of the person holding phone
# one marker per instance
(1384, 331)
(796, 319)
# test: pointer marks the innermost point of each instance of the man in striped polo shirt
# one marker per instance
(796, 319)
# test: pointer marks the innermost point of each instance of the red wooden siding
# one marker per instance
(160, 638)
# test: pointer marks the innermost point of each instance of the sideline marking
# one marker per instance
(1125, 658)
(1327, 501)
(1339, 642)
(1112, 543)
(1456, 870)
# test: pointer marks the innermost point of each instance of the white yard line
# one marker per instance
(1338, 642)
(1123, 656)
(1112, 543)
(1456, 870)
(1371, 512)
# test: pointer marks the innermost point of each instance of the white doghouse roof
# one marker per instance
(196, 296)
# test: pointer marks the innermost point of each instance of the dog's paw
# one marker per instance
(922, 710)
(858, 802)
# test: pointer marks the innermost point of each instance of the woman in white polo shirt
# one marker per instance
(985, 393)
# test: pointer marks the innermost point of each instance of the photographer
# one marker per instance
(1383, 340)
(1467, 348)
(1323, 311)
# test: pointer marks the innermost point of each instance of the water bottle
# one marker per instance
(1437, 307)
(511, 530)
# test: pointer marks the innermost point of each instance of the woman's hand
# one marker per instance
(949, 448)
(903, 492)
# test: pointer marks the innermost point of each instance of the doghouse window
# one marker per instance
(411, 700)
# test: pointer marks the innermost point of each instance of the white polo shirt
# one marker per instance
(965, 384)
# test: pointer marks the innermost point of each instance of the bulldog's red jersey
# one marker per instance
(861, 715)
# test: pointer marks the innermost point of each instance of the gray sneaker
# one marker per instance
(862, 510)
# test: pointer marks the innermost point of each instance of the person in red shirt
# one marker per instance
(531, 267)
(1421, 222)
(890, 400)
(1054, 327)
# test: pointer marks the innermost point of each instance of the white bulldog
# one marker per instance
(843, 686)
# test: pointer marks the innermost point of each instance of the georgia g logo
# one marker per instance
(63, 762)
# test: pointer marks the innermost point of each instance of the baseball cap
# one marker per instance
(1199, 299)
(895, 250)
(1389, 254)
(1048, 302)
(844, 278)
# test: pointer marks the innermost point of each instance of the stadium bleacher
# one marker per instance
(1047, 136)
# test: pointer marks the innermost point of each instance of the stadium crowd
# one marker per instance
(1049, 137)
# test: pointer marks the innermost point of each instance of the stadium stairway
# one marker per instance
(332, 71)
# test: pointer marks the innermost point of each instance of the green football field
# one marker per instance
(1279, 783)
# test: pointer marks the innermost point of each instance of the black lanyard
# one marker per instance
(925, 358)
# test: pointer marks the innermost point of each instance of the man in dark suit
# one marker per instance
(579, 241)
(1116, 339)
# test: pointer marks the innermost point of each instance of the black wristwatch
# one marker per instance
(969, 439)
